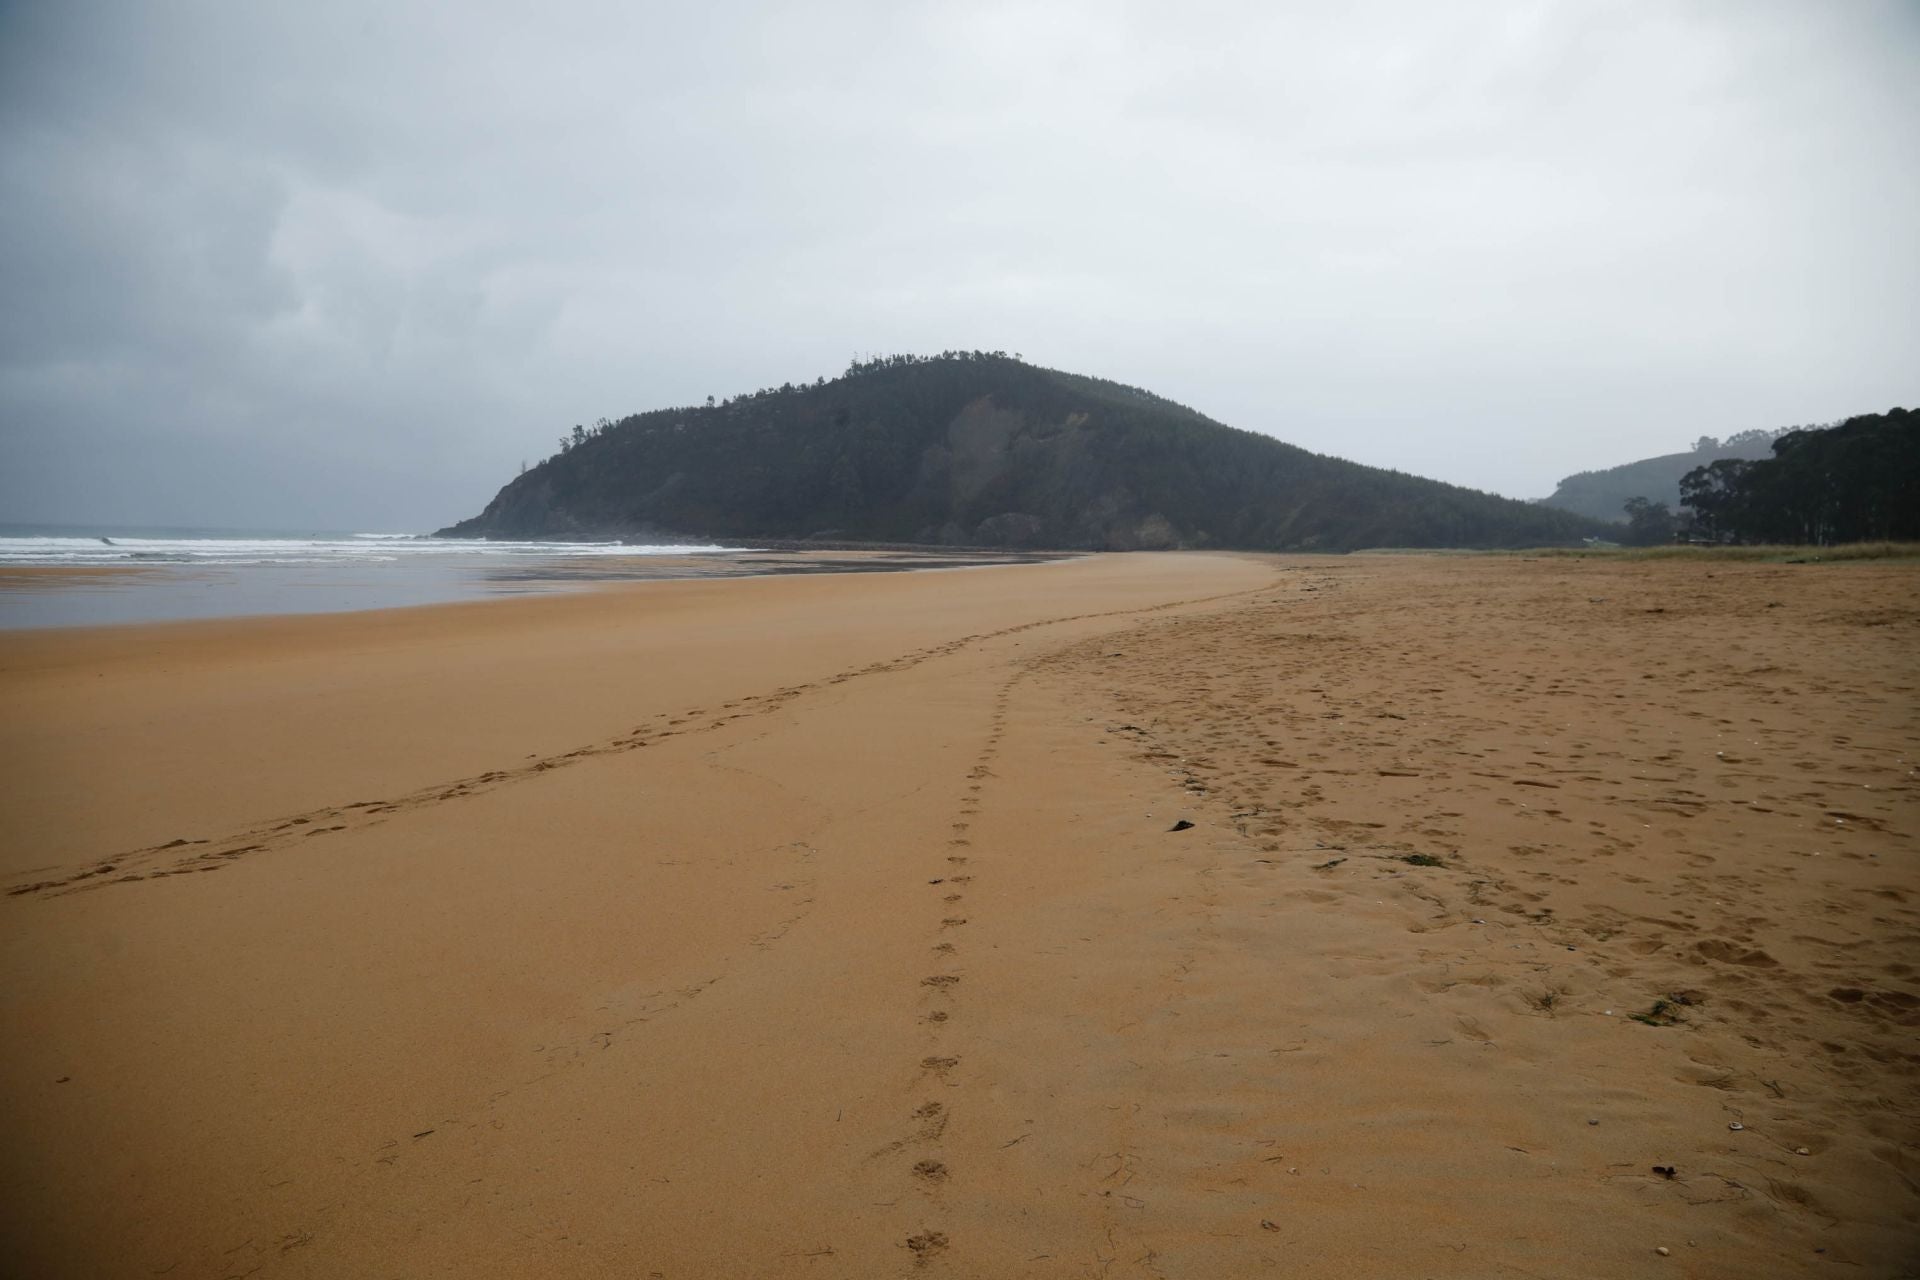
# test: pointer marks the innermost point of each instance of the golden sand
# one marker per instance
(834, 927)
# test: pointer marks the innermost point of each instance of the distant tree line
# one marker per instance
(1858, 481)
(856, 367)
(1740, 443)
(1600, 494)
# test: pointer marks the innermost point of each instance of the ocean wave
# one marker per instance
(358, 548)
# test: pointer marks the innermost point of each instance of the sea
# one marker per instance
(74, 575)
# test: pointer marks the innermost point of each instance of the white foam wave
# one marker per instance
(359, 548)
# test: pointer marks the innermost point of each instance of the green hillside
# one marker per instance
(982, 449)
(1604, 494)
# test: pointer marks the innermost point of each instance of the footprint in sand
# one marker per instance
(926, 1245)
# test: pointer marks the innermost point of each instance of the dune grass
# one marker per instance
(1770, 553)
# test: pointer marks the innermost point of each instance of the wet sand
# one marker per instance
(833, 926)
(392, 576)
(34, 577)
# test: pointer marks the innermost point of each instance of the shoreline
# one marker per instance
(42, 597)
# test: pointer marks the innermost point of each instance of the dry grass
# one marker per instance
(1778, 554)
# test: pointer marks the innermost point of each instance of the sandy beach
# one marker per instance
(836, 926)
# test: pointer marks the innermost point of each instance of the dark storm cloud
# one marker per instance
(348, 265)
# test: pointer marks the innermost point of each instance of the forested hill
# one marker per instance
(982, 449)
(1858, 481)
(1604, 494)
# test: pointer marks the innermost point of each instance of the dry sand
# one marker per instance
(833, 927)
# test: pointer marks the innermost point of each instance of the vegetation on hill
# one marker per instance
(1855, 482)
(1604, 494)
(976, 448)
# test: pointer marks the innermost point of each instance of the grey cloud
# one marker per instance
(355, 262)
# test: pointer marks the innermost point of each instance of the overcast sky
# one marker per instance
(345, 265)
